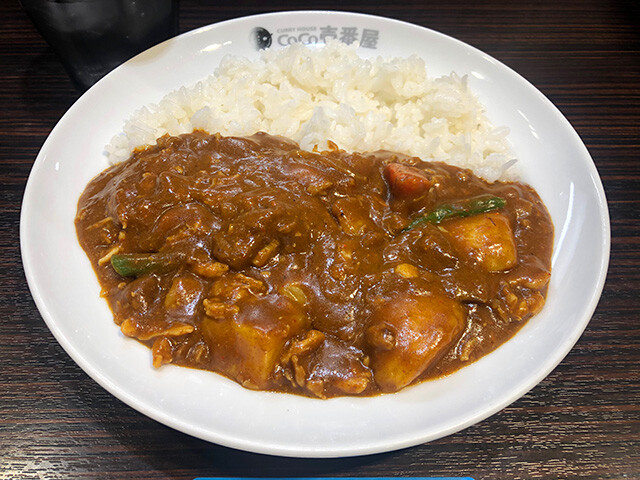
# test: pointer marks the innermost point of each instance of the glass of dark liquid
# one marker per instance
(92, 37)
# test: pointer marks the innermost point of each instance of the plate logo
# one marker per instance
(261, 38)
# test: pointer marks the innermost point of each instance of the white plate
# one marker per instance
(208, 406)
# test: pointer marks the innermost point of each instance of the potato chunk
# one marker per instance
(408, 335)
(247, 346)
(486, 238)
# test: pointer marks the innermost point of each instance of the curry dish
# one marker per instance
(317, 273)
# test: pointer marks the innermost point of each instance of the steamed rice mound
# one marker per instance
(313, 95)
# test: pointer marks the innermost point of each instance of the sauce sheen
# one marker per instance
(306, 272)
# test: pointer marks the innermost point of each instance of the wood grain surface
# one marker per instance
(582, 421)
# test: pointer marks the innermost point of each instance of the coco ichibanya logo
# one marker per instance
(362, 37)
(261, 38)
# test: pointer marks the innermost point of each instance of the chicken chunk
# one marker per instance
(184, 295)
(325, 366)
(352, 215)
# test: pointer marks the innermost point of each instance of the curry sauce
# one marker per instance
(317, 273)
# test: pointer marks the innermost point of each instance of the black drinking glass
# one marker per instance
(92, 37)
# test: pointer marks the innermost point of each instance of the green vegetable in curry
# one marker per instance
(466, 208)
(136, 264)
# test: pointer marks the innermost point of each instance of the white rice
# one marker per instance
(313, 95)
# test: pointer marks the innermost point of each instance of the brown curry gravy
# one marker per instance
(295, 270)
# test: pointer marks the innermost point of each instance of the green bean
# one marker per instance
(136, 264)
(465, 208)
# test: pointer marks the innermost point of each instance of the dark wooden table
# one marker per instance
(582, 421)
